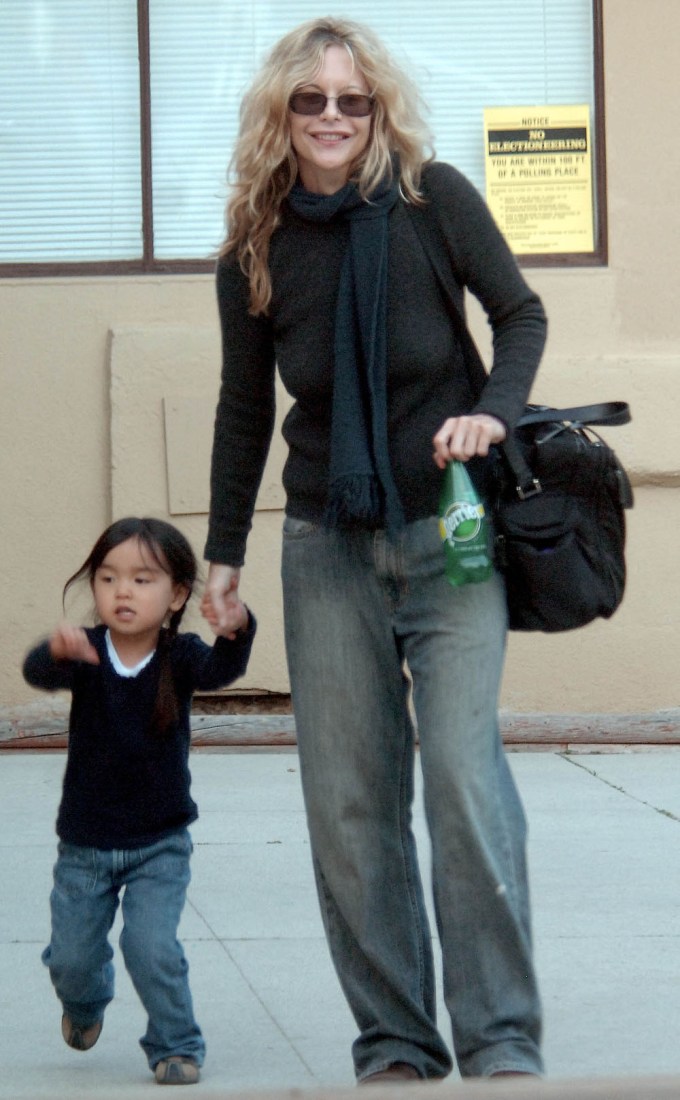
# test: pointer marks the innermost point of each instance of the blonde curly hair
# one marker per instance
(264, 165)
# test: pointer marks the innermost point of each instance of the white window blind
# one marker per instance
(69, 131)
(70, 175)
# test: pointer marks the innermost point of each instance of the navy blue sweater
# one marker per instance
(124, 785)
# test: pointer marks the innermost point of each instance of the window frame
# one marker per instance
(148, 264)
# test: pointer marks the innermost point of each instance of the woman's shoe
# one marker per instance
(80, 1038)
(394, 1074)
(514, 1073)
(177, 1070)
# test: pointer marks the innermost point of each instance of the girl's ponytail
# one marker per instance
(166, 709)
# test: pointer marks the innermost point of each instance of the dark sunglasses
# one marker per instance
(314, 103)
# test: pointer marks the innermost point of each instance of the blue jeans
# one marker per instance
(357, 608)
(84, 900)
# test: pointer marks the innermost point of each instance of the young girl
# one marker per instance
(126, 804)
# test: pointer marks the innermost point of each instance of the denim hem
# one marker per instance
(78, 1021)
(502, 1058)
(197, 1056)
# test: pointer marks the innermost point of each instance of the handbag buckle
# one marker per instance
(525, 494)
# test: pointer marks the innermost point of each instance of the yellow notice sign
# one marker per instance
(539, 177)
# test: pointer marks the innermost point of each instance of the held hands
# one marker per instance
(221, 605)
(461, 437)
(71, 643)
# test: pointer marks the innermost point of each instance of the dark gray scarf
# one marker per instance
(361, 488)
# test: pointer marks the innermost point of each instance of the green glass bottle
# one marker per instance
(464, 528)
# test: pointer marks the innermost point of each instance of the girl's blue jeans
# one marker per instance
(153, 881)
(358, 607)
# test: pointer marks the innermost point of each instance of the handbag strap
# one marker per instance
(607, 413)
(435, 246)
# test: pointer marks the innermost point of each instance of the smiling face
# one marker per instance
(134, 595)
(327, 144)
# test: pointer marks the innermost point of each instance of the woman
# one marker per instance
(324, 274)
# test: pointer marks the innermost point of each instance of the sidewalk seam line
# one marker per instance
(621, 790)
(222, 943)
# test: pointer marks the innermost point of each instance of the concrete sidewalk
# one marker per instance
(605, 862)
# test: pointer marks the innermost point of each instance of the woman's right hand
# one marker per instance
(221, 605)
(461, 437)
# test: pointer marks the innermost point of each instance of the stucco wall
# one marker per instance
(86, 389)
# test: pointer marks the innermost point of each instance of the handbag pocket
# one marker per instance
(551, 581)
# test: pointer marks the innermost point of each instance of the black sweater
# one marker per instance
(426, 378)
(124, 786)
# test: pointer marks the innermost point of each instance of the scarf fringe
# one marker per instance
(353, 499)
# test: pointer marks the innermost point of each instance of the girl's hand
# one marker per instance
(462, 437)
(71, 643)
(221, 605)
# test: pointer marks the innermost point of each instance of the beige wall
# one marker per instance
(108, 387)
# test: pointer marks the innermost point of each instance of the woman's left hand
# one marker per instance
(462, 437)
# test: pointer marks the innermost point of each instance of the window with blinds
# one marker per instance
(69, 131)
(83, 81)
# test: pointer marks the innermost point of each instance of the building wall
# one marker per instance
(109, 384)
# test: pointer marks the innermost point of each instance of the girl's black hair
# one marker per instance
(172, 552)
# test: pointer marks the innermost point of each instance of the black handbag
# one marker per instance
(558, 497)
